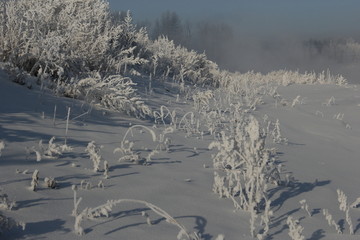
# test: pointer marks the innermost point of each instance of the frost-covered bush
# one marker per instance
(113, 92)
(243, 166)
(50, 182)
(5, 222)
(295, 229)
(180, 63)
(343, 206)
(64, 38)
(5, 203)
(52, 150)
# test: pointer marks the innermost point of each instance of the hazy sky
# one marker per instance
(259, 17)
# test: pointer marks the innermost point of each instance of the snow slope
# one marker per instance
(322, 155)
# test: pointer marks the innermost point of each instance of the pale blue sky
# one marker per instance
(259, 17)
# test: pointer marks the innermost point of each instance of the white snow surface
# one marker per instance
(322, 154)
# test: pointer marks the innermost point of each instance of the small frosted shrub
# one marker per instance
(166, 116)
(114, 92)
(5, 203)
(343, 206)
(331, 222)
(50, 182)
(94, 153)
(276, 134)
(295, 229)
(243, 167)
(305, 207)
(202, 99)
(52, 150)
(34, 180)
(126, 146)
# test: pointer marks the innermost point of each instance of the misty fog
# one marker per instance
(244, 42)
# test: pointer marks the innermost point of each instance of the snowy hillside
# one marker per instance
(321, 154)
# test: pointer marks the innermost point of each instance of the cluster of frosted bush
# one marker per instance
(181, 64)
(78, 44)
(64, 38)
(237, 82)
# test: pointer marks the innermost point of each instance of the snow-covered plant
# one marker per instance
(148, 220)
(349, 221)
(296, 101)
(202, 98)
(85, 185)
(319, 113)
(150, 156)
(343, 206)
(126, 146)
(5, 203)
(265, 220)
(101, 184)
(342, 198)
(220, 237)
(189, 124)
(106, 169)
(295, 229)
(76, 201)
(331, 221)
(339, 116)
(105, 210)
(34, 180)
(356, 203)
(2, 146)
(67, 125)
(243, 167)
(52, 149)
(9, 223)
(165, 114)
(253, 217)
(163, 141)
(330, 102)
(94, 153)
(276, 133)
(50, 182)
(114, 92)
(305, 207)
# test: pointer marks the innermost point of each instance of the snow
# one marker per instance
(322, 155)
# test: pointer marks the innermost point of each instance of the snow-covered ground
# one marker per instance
(321, 154)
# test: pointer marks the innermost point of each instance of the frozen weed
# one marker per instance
(2, 146)
(94, 153)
